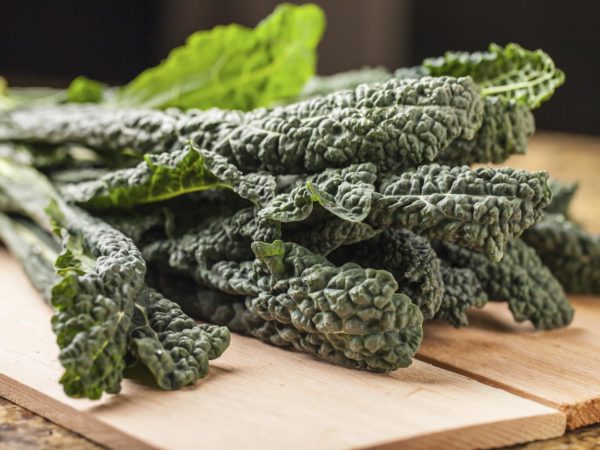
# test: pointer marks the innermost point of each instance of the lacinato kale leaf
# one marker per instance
(462, 291)
(476, 208)
(170, 344)
(347, 314)
(346, 193)
(519, 278)
(511, 72)
(168, 175)
(479, 209)
(571, 253)
(394, 124)
(505, 131)
(409, 258)
(101, 282)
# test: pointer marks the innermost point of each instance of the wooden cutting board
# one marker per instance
(258, 396)
(559, 368)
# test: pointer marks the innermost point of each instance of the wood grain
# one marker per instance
(559, 368)
(258, 396)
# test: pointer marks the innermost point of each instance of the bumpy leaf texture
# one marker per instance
(572, 254)
(562, 195)
(520, 278)
(234, 67)
(345, 193)
(510, 72)
(356, 316)
(101, 277)
(348, 315)
(172, 345)
(168, 175)
(217, 252)
(478, 209)
(505, 131)
(409, 258)
(397, 123)
(462, 291)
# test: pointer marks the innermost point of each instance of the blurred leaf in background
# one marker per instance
(229, 67)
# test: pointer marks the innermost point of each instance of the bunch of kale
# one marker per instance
(332, 225)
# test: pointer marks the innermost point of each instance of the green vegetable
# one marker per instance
(234, 67)
(170, 344)
(346, 314)
(512, 80)
(398, 123)
(511, 72)
(345, 193)
(332, 225)
(462, 290)
(168, 175)
(505, 131)
(101, 280)
(571, 254)
(84, 90)
(409, 258)
(520, 279)
(478, 209)
(288, 277)
(562, 194)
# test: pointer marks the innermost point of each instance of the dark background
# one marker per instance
(46, 42)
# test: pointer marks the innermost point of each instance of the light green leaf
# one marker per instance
(234, 67)
(84, 90)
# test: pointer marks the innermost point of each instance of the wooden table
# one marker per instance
(566, 157)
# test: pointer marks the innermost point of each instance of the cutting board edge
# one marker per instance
(578, 415)
(79, 422)
(503, 433)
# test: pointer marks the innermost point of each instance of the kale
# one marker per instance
(571, 254)
(511, 72)
(409, 258)
(506, 128)
(324, 309)
(562, 194)
(476, 208)
(100, 282)
(520, 279)
(170, 344)
(331, 221)
(390, 124)
(346, 314)
(462, 290)
(168, 175)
